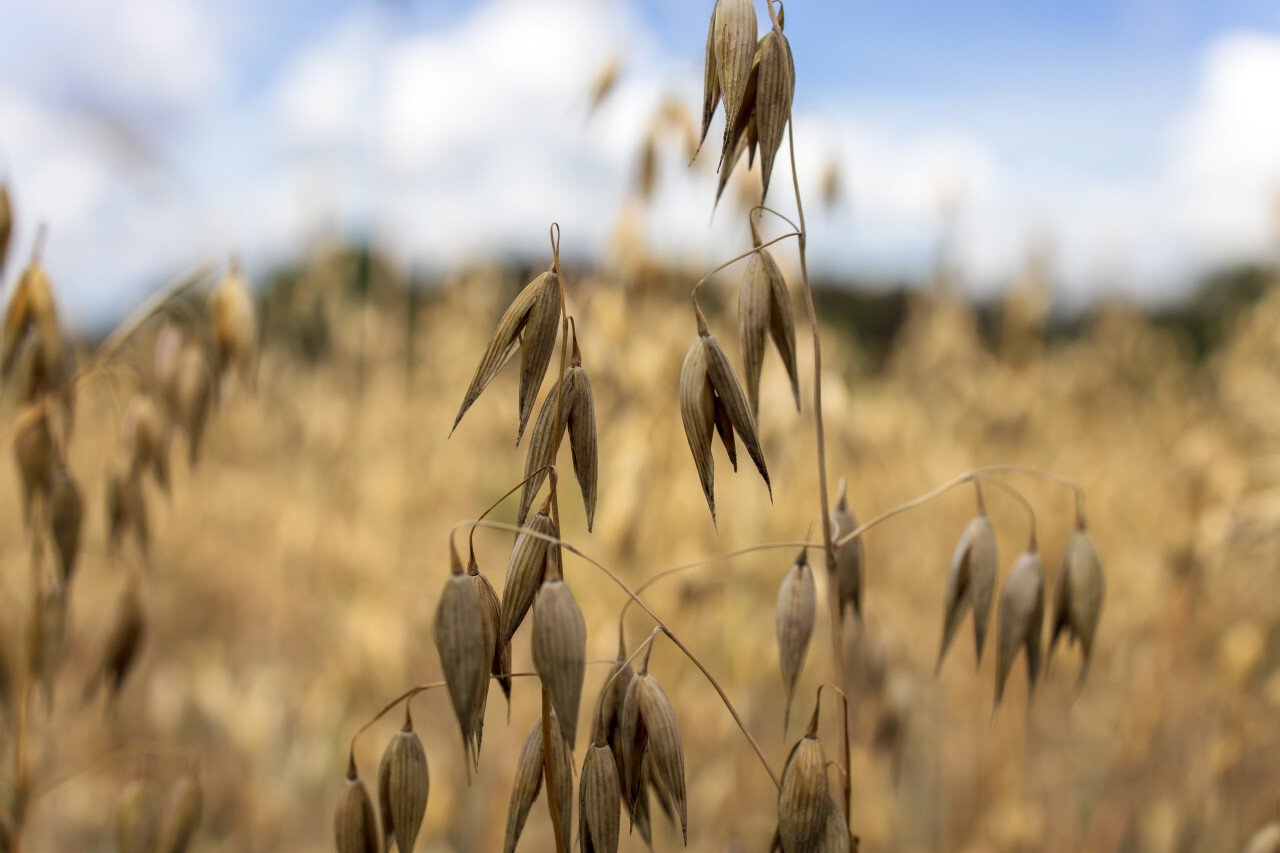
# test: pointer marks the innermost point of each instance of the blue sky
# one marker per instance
(1140, 139)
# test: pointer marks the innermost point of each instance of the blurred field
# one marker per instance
(295, 572)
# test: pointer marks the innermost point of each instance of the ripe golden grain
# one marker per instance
(599, 801)
(355, 829)
(793, 620)
(971, 582)
(1021, 620)
(528, 780)
(233, 325)
(560, 651)
(525, 571)
(403, 784)
(649, 724)
(465, 648)
(764, 305)
(1077, 596)
(803, 798)
(733, 25)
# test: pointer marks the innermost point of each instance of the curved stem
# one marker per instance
(736, 258)
(1047, 476)
(471, 540)
(959, 479)
(1026, 506)
(390, 706)
(767, 209)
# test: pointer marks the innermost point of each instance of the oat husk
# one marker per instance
(599, 801)
(971, 584)
(355, 828)
(403, 783)
(764, 306)
(733, 33)
(525, 572)
(793, 620)
(528, 781)
(465, 649)
(136, 814)
(31, 308)
(1077, 597)
(34, 453)
(1021, 620)
(193, 396)
(66, 519)
(649, 724)
(803, 798)
(180, 816)
(560, 651)
(711, 398)
(530, 322)
(775, 88)
(850, 557)
(233, 325)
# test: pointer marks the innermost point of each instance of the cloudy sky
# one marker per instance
(1140, 139)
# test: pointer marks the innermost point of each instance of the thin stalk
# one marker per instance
(1026, 507)
(736, 258)
(824, 503)
(1047, 476)
(471, 540)
(548, 765)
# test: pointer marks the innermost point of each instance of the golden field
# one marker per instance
(293, 576)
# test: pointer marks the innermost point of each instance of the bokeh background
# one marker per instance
(1044, 237)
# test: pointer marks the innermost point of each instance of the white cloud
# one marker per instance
(450, 143)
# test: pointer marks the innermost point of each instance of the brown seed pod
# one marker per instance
(33, 451)
(31, 307)
(6, 224)
(835, 832)
(850, 557)
(120, 650)
(599, 801)
(66, 516)
(711, 397)
(764, 305)
(181, 815)
(774, 91)
(560, 651)
(144, 435)
(710, 84)
(193, 395)
(500, 667)
(528, 781)
(648, 723)
(793, 619)
(529, 322)
(1077, 596)
(168, 351)
(48, 629)
(1021, 620)
(403, 782)
(466, 651)
(734, 30)
(126, 504)
(803, 798)
(971, 583)
(355, 829)
(578, 415)
(136, 814)
(525, 571)
(233, 325)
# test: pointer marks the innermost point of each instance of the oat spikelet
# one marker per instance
(599, 801)
(712, 398)
(144, 433)
(403, 782)
(793, 619)
(764, 305)
(31, 309)
(835, 832)
(775, 88)
(181, 815)
(6, 225)
(525, 571)
(355, 828)
(66, 516)
(528, 781)
(33, 451)
(850, 557)
(649, 724)
(971, 583)
(734, 34)
(803, 798)
(464, 655)
(1021, 620)
(233, 325)
(710, 84)
(126, 504)
(193, 395)
(500, 667)
(529, 322)
(168, 350)
(578, 416)
(1077, 596)
(118, 653)
(560, 651)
